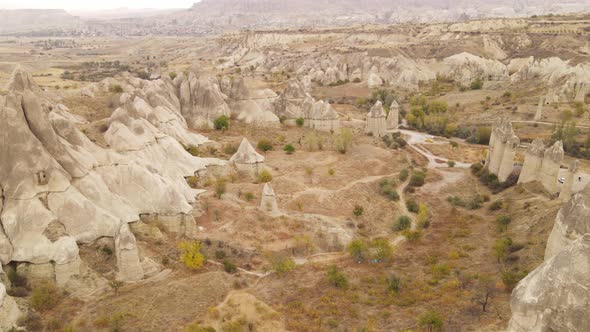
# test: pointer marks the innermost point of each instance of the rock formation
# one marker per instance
(9, 311)
(541, 164)
(503, 142)
(289, 104)
(60, 189)
(539, 113)
(252, 106)
(550, 167)
(320, 116)
(393, 116)
(555, 296)
(268, 202)
(376, 120)
(533, 160)
(247, 160)
(572, 222)
(568, 184)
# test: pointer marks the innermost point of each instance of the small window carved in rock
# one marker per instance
(42, 178)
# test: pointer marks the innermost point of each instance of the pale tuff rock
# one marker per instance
(554, 296)
(289, 104)
(543, 165)
(9, 311)
(572, 222)
(517, 64)
(502, 149)
(21, 81)
(247, 160)
(376, 120)
(566, 190)
(128, 264)
(268, 202)
(550, 167)
(393, 116)
(533, 160)
(466, 67)
(374, 81)
(201, 100)
(54, 178)
(252, 106)
(320, 115)
(539, 113)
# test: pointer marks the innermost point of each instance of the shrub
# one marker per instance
(423, 216)
(220, 187)
(283, 265)
(503, 222)
(172, 75)
(289, 149)
(394, 284)
(343, 140)
(358, 211)
(511, 278)
(229, 267)
(432, 320)
(451, 163)
(220, 254)
(502, 248)
(193, 150)
(264, 176)
(331, 171)
(264, 145)
(477, 84)
(403, 175)
(412, 206)
(248, 196)
(193, 181)
(299, 122)
(221, 123)
(45, 297)
(496, 205)
(476, 168)
(358, 250)
(412, 236)
(337, 278)
(417, 179)
(475, 202)
(190, 254)
(383, 251)
(454, 144)
(230, 149)
(115, 88)
(402, 223)
(386, 188)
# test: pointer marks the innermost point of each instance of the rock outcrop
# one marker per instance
(393, 115)
(555, 296)
(376, 120)
(533, 161)
(247, 160)
(541, 164)
(268, 201)
(60, 189)
(502, 149)
(252, 106)
(289, 104)
(201, 100)
(320, 115)
(9, 311)
(568, 184)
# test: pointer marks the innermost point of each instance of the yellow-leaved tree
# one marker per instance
(190, 254)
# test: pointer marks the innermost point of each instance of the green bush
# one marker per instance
(503, 222)
(451, 163)
(477, 84)
(394, 284)
(45, 297)
(337, 278)
(511, 278)
(358, 211)
(403, 175)
(283, 265)
(221, 123)
(417, 179)
(229, 267)
(382, 249)
(289, 149)
(264, 176)
(343, 140)
(432, 320)
(172, 75)
(402, 223)
(496, 205)
(386, 188)
(264, 145)
(299, 122)
(412, 206)
(358, 249)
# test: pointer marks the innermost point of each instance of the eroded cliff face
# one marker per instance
(60, 190)
(556, 295)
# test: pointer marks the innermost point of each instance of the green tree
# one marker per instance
(432, 320)
(299, 122)
(358, 250)
(289, 149)
(221, 123)
(264, 145)
(337, 278)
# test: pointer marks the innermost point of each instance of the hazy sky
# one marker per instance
(95, 4)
